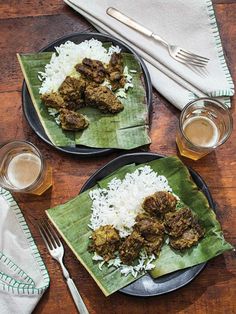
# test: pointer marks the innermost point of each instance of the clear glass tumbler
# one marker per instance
(23, 168)
(204, 125)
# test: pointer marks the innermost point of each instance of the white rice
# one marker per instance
(119, 204)
(68, 55)
(122, 91)
(144, 264)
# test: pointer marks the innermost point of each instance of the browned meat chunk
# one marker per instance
(102, 98)
(92, 70)
(159, 203)
(154, 246)
(144, 216)
(152, 230)
(116, 63)
(131, 247)
(105, 241)
(72, 121)
(189, 238)
(149, 227)
(72, 91)
(115, 71)
(178, 221)
(53, 100)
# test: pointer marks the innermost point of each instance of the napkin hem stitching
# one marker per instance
(19, 271)
(220, 52)
(34, 250)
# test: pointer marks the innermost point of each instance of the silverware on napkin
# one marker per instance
(176, 52)
(56, 250)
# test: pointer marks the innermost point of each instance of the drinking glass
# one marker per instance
(23, 168)
(204, 125)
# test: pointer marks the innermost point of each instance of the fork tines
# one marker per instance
(49, 236)
(191, 58)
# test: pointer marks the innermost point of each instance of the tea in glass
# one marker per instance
(204, 125)
(23, 168)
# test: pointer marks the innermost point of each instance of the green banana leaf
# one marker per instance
(125, 130)
(71, 220)
(31, 64)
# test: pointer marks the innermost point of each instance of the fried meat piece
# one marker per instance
(72, 91)
(152, 230)
(143, 216)
(115, 71)
(178, 221)
(53, 100)
(149, 227)
(131, 247)
(159, 203)
(189, 238)
(116, 62)
(154, 247)
(102, 98)
(93, 70)
(105, 241)
(72, 121)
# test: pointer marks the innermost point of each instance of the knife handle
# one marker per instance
(128, 21)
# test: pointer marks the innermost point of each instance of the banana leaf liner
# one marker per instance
(72, 219)
(125, 130)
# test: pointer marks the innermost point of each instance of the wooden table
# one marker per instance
(27, 26)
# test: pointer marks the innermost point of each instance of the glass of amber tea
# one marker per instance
(23, 168)
(204, 125)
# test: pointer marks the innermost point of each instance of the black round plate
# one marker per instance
(31, 114)
(146, 286)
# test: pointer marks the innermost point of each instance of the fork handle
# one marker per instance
(133, 24)
(77, 297)
(128, 21)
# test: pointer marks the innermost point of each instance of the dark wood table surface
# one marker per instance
(27, 26)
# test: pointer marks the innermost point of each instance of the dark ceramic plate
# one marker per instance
(147, 286)
(32, 117)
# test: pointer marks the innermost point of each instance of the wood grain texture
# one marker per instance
(29, 25)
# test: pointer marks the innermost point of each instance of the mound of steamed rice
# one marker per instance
(119, 204)
(67, 56)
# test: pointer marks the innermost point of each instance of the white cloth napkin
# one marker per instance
(190, 24)
(23, 275)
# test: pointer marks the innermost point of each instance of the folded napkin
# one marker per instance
(189, 24)
(23, 275)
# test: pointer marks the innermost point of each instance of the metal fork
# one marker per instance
(176, 52)
(56, 250)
